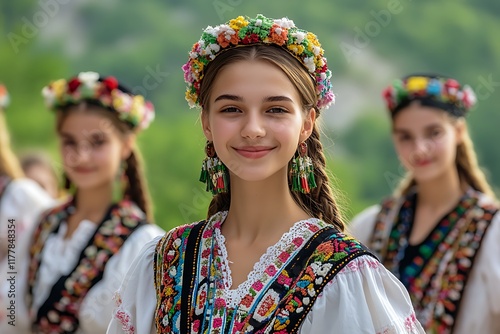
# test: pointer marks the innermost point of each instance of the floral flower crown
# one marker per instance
(131, 109)
(4, 97)
(445, 93)
(241, 31)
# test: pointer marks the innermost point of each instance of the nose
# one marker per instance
(422, 148)
(83, 151)
(254, 126)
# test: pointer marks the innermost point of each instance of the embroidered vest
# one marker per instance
(437, 277)
(59, 313)
(281, 306)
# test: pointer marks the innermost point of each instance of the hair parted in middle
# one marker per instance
(89, 92)
(320, 202)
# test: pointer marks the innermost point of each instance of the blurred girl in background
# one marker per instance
(80, 251)
(439, 233)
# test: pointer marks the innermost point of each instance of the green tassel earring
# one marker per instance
(213, 172)
(302, 171)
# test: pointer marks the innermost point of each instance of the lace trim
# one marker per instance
(234, 296)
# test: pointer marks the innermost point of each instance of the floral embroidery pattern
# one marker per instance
(437, 276)
(277, 299)
(59, 313)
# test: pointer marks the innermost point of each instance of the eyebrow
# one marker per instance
(427, 128)
(236, 98)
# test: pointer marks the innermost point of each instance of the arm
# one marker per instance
(136, 298)
(363, 298)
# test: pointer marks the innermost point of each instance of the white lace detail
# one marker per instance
(233, 297)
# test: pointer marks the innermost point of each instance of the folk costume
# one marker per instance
(65, 284)
(451, 275)
(315, 279)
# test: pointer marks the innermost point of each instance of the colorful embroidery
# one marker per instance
(437, 276)
(59, 313)
(276, 297)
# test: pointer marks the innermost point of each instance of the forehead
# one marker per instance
(253, 79)
(85, 123)
(416, 117)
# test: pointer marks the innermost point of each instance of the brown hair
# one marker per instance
(465, 162)
(320, 202)
(136, 189)
(9, 164)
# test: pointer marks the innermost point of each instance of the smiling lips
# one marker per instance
(422, 163)
(83, 170)
(254, 152)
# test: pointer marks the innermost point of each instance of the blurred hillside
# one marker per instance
(144, 44)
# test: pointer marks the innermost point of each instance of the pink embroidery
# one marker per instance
(125, 320)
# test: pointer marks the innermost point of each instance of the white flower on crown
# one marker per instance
(48, 95)
(258, 22)
(211, 30)
(193, 55)
(316, 50)
(226, 30)
(309, 63)
(285, 23)
(89, 79)
(299, 35)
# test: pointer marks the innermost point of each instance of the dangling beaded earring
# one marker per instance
(213, 172)
(302, 171)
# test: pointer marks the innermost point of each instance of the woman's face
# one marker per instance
(92, 149)
(426, 141)
(255, 120)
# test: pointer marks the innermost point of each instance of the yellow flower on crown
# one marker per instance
(59, 88)
(238, 23)
(415, 84)
(297, 49)
(313, 39)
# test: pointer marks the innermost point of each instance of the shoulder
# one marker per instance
(361, 226)
(29, 193)
(175, 238)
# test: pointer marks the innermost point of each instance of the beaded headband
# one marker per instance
(88, 86)
(4, 97)
(431, 90)
(242, 31)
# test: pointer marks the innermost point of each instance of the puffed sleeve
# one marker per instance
(361, 226)
(24, 201)
(364, 297)
(136, 298)
(97, 307)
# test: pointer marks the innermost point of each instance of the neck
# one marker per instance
(442, 191)
(261, 209)
(95, 201)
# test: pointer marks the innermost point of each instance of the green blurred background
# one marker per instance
(144, 44)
